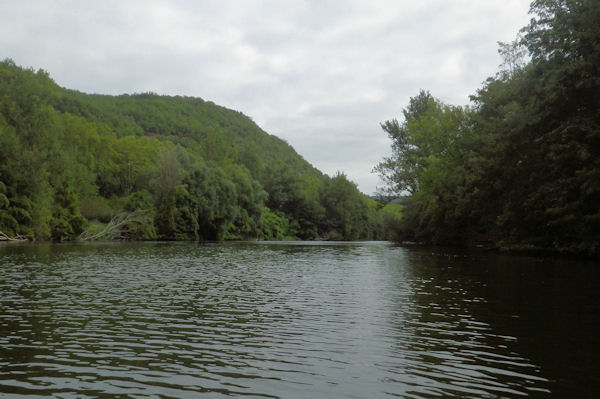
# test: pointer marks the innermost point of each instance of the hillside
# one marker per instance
(144, 166)
(216, 132)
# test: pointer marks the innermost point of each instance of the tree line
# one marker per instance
(519, 168)
(148, 167)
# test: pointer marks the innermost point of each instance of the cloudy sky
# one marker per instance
(320, 74)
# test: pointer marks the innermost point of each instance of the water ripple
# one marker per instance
(252, 320)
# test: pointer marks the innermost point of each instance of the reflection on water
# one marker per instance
(293, 320)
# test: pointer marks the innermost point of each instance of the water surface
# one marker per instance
(293, 320)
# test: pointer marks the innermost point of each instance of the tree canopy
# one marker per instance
(520, 168)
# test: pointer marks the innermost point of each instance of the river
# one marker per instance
(294, 320)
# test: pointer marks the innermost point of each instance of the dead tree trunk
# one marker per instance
(117, 228)
(5, 237)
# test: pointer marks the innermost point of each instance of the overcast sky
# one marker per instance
(320, 74)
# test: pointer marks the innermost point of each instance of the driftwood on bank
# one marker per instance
(5, 237)
(117, 228)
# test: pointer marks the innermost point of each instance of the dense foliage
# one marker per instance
(75, 165)
(521, 167)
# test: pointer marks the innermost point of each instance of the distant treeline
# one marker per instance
(146, 167)
(520, 168)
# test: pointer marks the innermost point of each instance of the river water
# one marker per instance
(294, 320)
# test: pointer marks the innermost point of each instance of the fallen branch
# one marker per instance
(117, 228)
(5, 237)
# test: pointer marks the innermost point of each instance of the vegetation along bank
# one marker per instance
(519, 168)
(77, 166)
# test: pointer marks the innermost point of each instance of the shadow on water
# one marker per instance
(532, 322)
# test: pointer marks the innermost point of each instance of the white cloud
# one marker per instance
(320, 74)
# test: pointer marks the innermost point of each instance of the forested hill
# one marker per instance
(216, 132)
(144, 166)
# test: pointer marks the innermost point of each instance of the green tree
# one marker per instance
(168, 176)
(250, 198)
(346, 212)
(429, 130)
(552, 150)
(521, 169)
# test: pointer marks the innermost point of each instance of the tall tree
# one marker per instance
(523, 167)
(428, 130)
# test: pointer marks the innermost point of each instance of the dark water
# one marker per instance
(297, 320)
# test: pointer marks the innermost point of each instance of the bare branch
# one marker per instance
(117, 228)
(5, 237)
